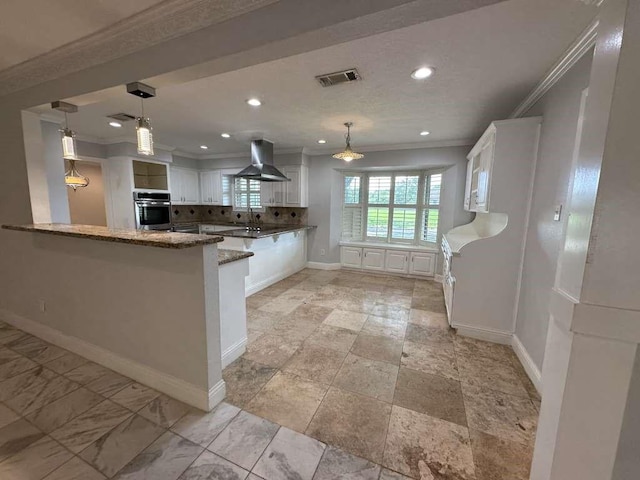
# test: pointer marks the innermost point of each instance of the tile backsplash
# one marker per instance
(224, 214)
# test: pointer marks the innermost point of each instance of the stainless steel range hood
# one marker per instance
(261, 167)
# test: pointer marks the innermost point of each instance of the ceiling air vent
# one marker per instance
(335, 78)
(122, 117)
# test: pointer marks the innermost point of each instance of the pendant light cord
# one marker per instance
(142, 106)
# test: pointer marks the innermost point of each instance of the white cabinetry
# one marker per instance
(373, 259)
(396, 261)
(476, 198)
(287, 194)
(211, 187)
(390, 258)
(184, 186)
(351, 257)
(422, 263)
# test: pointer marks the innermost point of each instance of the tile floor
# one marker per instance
(346, 376)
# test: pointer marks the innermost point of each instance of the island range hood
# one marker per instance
(261, 167)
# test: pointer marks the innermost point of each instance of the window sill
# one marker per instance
(389, 246)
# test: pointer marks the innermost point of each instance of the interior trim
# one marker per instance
(533, 372)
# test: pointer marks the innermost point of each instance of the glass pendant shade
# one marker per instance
(69, 149)
(145, 137)
(73, 178)
(348, 154)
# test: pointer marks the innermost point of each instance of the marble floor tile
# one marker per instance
(338, 464)
(375, 347)
(257, 300)
(421, 446)
(7, 416)
(434, 395)
(34, 389)
(335, 338)
(390, 327)
(211, 466)
(83, 430)
(244, 379)
(272, 350)
(352, 422)
(427, 335)
(498, 459)
(428, 319)
(367, 377)
(290, 455)
(109, 384)
(472, 348)
(135, 396)
(502, 415)
(315, 363)
(15, 367)
(263, 321)
(430, 303)
(329, 296)
(35, 461)
(396, 299)
(57, 413)
(293, 328)
(288, 400)
(356, 304)
(66, 363)
(36, 349)
(87, 373)
(202, 427)
(244, 440)
(9, 334)
(525, 380)
(310, 313)
(390, 475)
(253, 335)
(435, 359)
(119, 446)
(345, 319)
(75, 469)
(164, 411)
(287, 302)
(7, 355)
(488, 373)
(391, 311)
(165, 459)
(17, 436)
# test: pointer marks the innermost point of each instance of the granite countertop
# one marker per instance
(134, 237)
(228, 256)
(265, 231)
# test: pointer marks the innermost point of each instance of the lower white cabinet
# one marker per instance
(399, 260)
(373, 259)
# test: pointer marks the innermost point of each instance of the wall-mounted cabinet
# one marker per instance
(391, 259)
(149, 175)
(211, 187)
(287, 194)
(478, 183)
(185, 189)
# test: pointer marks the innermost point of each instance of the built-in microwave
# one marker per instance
(153, 210)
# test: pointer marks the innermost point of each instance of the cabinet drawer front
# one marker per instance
(422, 264)
(397, 261)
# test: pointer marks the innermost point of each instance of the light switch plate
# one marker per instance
(558, 213)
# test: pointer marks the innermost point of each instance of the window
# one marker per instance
(246, 194)
(397, 207)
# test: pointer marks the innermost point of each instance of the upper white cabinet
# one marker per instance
(287, 194)
(184, 185)
(479, 173)
(211, 187)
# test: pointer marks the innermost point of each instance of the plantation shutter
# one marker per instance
(431, 212)
(352, 209)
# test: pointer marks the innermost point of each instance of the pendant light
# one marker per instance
(72, 177)
(143, 124)
(347, 154)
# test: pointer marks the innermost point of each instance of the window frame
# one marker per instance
(237, 208)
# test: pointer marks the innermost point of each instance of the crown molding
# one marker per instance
(585, 42)
(465, 142)
(164, 21)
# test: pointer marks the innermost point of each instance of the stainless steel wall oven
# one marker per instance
(153, 210)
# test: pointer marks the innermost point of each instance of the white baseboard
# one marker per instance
(270, 281)
(487, 334)
(527, 362)
(234, 352)
(324, 266)
(163, 382)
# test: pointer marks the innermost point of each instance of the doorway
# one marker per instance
(86, 205)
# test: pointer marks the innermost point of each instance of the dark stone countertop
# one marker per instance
(228, 256)
(134, 237)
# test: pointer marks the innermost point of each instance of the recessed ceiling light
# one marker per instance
(204, 147)
(115, 124)
(225, 135)
(424, 133)
(422, 73)
(254, 102)
(322, 141)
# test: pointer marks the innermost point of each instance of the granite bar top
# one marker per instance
(267, 231)
(228, 256)
(133, 237)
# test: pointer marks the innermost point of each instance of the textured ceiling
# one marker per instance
(486, 61)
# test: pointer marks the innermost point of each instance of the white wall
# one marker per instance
(325, 189)
(559, 109)
(87, 204)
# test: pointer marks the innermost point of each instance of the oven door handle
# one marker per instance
(154, 204)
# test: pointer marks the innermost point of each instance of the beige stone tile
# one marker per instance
(286, 302)
(502, 415)
(379, 348)
(244, 378)
(272, 350)
(436, 359)
(488, 373)
(496, 458)
(315, 363)
(263, 321)
(358, 304)
(335, 338)
(389, 327)
(288, 400)
(428, 319)
(399, 300)
(526, 381)
(367, 377)
(429, 302)
(7, 416)
(253, 335)
(422, 446)
(389, 475)
(434, 395)
(329, 296)
(257, 300)
(473, 348)
(391, 311)
(353, 422)
(345, 319)
(427, 335)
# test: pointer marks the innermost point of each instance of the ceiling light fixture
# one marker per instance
(254, 102)
(347, 154)
(204, 147)
(422, 73)
(225, 135)
(72, 177)
(424, 133)
(322, 141)
(143, 124)
(115, 124)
